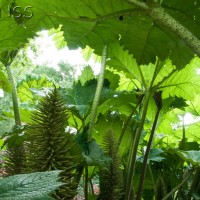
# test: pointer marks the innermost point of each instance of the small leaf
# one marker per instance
(58, 37)
(86, 75)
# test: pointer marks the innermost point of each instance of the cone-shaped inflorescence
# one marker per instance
(111, 178)
(13, 160)
(50, 147)
(13, 156)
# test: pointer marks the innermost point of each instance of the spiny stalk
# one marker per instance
(111, 179)
(97, 94)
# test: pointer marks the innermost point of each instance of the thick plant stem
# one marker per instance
(97, 94)
(144, 166)
(86, 183)
(162, 18)
(152, 178)
(14, 96)
(183, 137)
(77, 177)
(133, 151)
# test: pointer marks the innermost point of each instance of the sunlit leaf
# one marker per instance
(32, 88)
(86, 75)
(184, 83)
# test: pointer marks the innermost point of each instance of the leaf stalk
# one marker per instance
(133, 152)
(97, 94)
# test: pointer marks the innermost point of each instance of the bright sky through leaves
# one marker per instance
(50, 56)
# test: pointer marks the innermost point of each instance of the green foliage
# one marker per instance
(75, 97)
(183, 83)
(92, 152)
(50, 72)
(111, 179)
(95, 26)
(140, 36)
(64, 76)
(58, 37)
(95, 156)
(33, 186)
(50, 147)
(114, 122)
(14, 35)
(30, 89)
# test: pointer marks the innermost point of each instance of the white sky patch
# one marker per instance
(50, 56)
(189, 119)
(1, 93)
(198, 71)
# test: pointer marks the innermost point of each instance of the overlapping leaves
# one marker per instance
(94, 24)
(32, 87)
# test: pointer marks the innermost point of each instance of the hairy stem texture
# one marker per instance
(97, 94)
(162, 18)
(14, 96)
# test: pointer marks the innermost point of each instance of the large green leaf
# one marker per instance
(184, 83)
(80, 97)
(193, 131)
(184, 13)
(34, 186)
(121, 60)
(160, 69)
(13, 35)
(194, 105)
(112, 122)
(166, 126)
(92, 23)
(120, 102)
